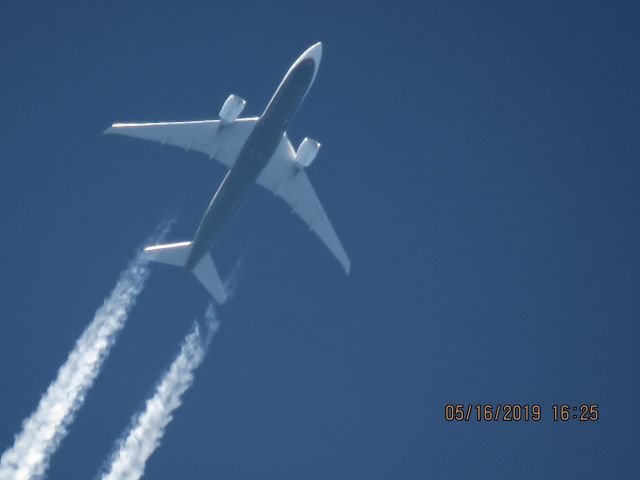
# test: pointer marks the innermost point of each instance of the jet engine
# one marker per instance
(307, 151)
(231, 109)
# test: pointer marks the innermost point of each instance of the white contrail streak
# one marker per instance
(147, 427)
(44, 430)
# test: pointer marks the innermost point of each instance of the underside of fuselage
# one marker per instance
(253, 157)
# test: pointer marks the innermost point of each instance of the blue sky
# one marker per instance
(479, 162)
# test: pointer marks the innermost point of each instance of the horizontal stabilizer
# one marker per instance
(177, 254)
(171, 253)
(206, 272)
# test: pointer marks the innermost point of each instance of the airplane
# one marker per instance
(256, 150)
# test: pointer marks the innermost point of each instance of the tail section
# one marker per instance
(205, 271)
(175, 254)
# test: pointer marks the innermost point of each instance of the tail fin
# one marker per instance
(205, 271)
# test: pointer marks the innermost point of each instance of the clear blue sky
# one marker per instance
(479, 161)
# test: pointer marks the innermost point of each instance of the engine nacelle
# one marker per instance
(307, 151)
(231, 109)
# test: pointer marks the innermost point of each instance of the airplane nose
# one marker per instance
(317, 50)
(314, 52)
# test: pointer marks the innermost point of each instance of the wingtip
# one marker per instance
(108, 130)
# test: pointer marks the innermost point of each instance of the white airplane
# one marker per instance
(256, 150)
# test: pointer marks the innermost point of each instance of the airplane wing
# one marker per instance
(207, 136)
(285, 178)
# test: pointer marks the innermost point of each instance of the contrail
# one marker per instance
(147, 427)
(44, 430)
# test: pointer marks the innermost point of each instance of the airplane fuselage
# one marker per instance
(253, 157)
